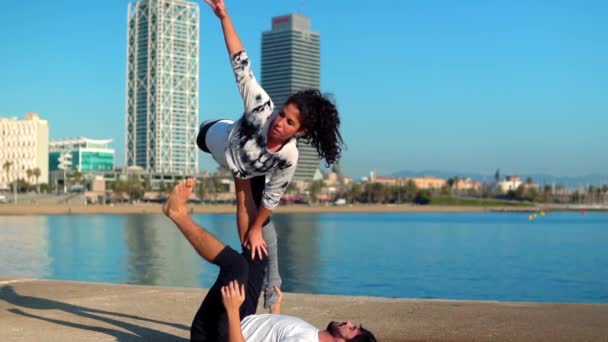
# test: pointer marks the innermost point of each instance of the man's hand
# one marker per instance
(218, 7)
(233, 295)
(255, 242)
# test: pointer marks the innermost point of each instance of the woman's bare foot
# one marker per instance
(175, 206)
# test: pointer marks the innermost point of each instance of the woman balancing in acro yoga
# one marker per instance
(260, 148)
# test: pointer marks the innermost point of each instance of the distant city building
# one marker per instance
(427, 182)
(24, 145)
(467, 184)
(509, 183)
(389, 181)
(334, 178)
(372, 176)
(291, 61)
(86, 155)
(531, 186)
(162, 86)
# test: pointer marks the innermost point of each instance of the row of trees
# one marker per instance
(547, 194)
(409, 193)
(210, 187)
(21, 183)
(135, 188)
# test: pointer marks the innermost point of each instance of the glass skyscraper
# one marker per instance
(162, 86)
(291, 61)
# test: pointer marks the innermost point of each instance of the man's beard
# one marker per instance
(334, 328)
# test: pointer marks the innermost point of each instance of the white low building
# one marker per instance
(24, 145)
(509, 183)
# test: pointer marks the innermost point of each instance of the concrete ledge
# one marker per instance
(74, 311)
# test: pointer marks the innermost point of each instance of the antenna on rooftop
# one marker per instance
(302, 3)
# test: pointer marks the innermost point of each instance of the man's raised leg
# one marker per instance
(210, 323)
(205, 244)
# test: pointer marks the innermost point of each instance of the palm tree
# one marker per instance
(135, 187)
(547, 190)
(456, 183)
(200, 189)
(147, 183)
(354, 193)
(216, 185)
(7, 167)
(119, 187)
(315, 188)
(29, 173)
(532, 194)
(453, 182)
(291, 188)
(410, 190)
(338, 171)
(77, 177)
(379, 192)
(37, 175)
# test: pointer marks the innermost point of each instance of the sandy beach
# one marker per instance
(155, 208)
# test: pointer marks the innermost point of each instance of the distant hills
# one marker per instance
(538, 178)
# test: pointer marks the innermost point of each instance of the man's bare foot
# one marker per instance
(175, 206)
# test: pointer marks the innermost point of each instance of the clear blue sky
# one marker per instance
(466, 86)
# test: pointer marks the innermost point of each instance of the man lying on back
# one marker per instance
(228, 311)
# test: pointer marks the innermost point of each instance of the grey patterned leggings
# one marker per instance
(272, 277)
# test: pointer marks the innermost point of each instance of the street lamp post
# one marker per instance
(399, 190)
(15, 187)
(65, 162)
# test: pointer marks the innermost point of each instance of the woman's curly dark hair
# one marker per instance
(321, 121)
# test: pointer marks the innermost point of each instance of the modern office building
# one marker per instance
(162, 86)
(85, 155)
(24, 145)
(291, 61)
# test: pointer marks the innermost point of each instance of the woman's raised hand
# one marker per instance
(218, 7)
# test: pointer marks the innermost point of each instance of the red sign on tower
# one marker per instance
(280, 20)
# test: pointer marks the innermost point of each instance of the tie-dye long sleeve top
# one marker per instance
(246, 153)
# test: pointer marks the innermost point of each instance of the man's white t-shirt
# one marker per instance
(277, 328)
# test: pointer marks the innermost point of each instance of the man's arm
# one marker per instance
(233, 295)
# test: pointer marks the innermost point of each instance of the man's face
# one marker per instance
(345, 330)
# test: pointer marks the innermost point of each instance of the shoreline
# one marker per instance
(155, 208)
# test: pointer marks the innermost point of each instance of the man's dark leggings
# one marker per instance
(210, 322)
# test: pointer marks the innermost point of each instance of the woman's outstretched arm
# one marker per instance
(231, 38)
(258, 106)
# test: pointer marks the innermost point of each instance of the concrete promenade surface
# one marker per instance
(45, 310)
